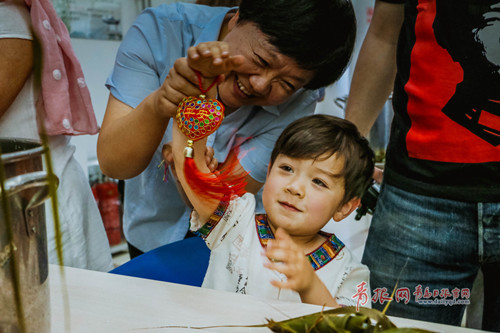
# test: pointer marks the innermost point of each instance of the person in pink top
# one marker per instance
(64, 106)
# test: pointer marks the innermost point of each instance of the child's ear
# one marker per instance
(346, 209)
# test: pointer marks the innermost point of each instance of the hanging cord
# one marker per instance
(200, 83)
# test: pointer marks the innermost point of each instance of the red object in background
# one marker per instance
(108, 200)
(96, 196)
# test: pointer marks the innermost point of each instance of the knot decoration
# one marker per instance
(197, 118)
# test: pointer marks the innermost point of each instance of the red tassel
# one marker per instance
(198, 117)
(224, 182)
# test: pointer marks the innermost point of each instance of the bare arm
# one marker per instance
(129, 137)
(375, 69)
(212, 60)
(252, 186)
(16, 63)
(201, 205)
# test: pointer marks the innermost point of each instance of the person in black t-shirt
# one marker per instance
(474, 43)
(437, 219)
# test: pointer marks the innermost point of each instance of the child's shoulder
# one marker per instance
(245, 202)
(228, 208)
(334, 250)
(332, 238)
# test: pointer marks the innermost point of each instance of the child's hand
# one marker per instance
(212, 59)
(289, 259)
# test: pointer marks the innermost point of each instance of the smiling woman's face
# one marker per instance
(267, 77)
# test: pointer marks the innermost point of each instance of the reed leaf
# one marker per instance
(339, 320)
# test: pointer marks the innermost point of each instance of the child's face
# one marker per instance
(302, 195)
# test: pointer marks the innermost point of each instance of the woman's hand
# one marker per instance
(180, 82)
(213, 59)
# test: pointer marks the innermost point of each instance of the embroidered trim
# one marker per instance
(214, 219)
(326, 252)
(263, 230)
(318, 258)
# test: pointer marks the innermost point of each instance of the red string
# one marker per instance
(200, 85)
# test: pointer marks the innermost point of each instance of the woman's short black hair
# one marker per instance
(318, 34)
(219, 3)
(314, 136)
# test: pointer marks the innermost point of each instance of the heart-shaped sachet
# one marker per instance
(198, 117)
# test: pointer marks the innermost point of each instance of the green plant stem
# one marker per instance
(13, 262)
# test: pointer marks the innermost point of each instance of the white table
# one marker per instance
(102, 302)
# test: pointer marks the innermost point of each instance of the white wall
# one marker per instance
(97, 59)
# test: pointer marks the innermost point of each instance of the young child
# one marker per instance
(319, 169)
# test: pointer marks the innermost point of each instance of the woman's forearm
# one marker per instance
(375, 69)
(129, 137)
